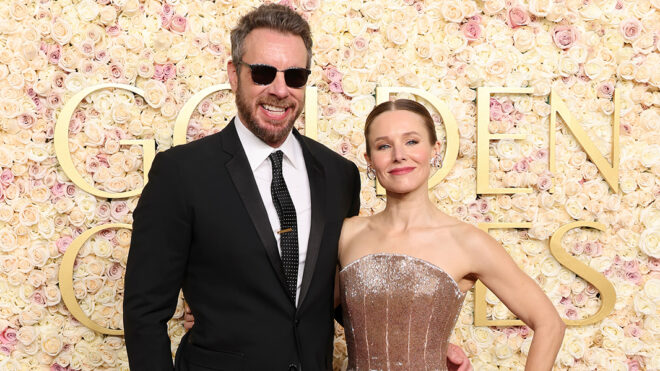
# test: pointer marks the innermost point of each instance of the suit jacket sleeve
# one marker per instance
(156, 265)
(354, 210)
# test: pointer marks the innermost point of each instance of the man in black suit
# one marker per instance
(246, 221)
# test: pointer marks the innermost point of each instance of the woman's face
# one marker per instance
(401, 149)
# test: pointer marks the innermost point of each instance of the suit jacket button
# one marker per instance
(296, 321)
(293, 367)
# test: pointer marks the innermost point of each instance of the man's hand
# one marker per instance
(457, 360)
(189, 319)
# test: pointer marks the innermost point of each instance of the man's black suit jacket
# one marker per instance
(201, 225)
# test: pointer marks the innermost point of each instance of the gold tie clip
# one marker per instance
(285, 230)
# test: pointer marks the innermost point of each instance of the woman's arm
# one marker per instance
(495, 268)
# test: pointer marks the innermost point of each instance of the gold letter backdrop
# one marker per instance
(548, 112)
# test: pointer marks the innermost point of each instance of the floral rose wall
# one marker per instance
(584, 50)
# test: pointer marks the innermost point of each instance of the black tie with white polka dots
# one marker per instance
(286, 212)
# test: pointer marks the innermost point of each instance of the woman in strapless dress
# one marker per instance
(404, 271)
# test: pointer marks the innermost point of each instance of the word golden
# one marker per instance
(609, 172)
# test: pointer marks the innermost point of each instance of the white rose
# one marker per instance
(575, 346)
(652, 289)
(540, 8)
(155, 93)
(362, 105)
(87, 10)
(550, 267)
(483, 336)
(643, 305)
(649, 242)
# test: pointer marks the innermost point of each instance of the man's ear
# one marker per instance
(232, 73)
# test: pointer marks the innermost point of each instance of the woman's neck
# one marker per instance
(408, 210)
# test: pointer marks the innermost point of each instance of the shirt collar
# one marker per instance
(257, 151)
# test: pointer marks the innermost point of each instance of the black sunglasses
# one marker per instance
(263, 74)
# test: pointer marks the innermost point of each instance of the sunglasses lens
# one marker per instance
(262, 74)
(296, 77)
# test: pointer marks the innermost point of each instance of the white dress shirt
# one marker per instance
(295, 176)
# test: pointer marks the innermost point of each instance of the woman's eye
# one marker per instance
(412, 141)
(383, 146)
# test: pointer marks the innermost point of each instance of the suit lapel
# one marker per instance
(316, 176)
(239, 171)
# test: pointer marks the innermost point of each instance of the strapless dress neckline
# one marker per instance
(405, 256)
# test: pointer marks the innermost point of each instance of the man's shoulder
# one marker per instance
(196, 149)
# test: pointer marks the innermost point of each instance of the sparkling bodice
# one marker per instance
(399, 312)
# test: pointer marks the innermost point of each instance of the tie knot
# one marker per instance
(276, 159)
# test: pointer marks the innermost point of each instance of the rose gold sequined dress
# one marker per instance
(399, 312)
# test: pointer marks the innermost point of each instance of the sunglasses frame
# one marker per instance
(257, 65)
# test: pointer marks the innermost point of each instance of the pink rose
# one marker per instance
(630, 28)
(605, 90)
(58, 190)
(108, 234)
(116, 71)
(564, 36)
(6, 348)
(517, 17)
(632, 330)
(524, 331)
(92, 164)
(631, 266)
(654, 264)
(577, 248)
(580, 299)
(507, 106)
(310, 5)
(70, 190)
(194, 129)
(38, 298)
(593, 248)
(54, 54)
(332, 74)
(460, 211)
(103, 210)
(473, 207)
(471, 30)
(101, 56)
(633, 365)
(178, 24)
(634, 277)
(360, 43)
(115, 271)
(482, 205)
(8, 336)
(113, 30)
(571, 313)
(63, 243)
(169, 71)
(6, 177)
(344, 147)
(521, 166)
(336, 87)
(26, 120)
(496, 112)
(118, 209)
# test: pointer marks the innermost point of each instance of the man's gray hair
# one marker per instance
(271, 16)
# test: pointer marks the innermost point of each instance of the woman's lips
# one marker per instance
(401, 170)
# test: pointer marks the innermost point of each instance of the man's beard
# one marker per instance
(250, 121)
